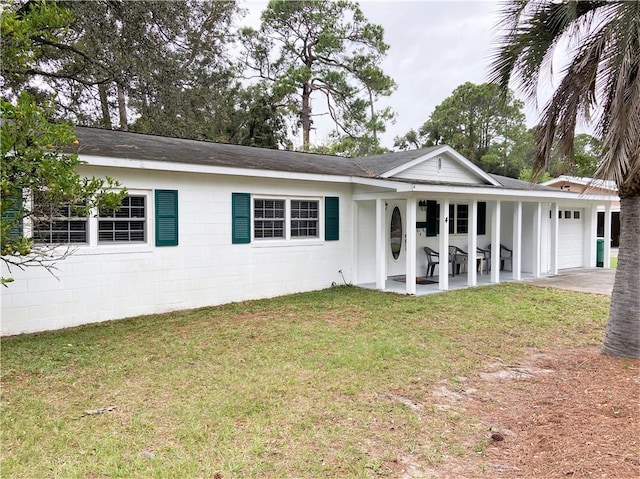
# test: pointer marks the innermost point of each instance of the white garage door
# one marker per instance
(570, 238)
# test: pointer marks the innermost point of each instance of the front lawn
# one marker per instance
(334, 383)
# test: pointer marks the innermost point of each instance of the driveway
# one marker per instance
(586, 280)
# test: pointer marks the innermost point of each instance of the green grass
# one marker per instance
(614, 262)
(296, 386)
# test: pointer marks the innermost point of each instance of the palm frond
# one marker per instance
(602, 42)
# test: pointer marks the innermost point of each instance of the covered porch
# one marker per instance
(392, 231)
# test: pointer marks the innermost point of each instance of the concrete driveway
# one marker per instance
(586, 280)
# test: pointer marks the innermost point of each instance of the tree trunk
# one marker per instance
(305, 116)
(622, 335)
(122, 109)
(104, 104)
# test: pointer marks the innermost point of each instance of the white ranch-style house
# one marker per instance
(207, 223)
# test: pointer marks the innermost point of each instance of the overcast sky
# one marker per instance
(435, 46)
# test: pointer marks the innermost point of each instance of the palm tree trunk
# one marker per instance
(622, 335)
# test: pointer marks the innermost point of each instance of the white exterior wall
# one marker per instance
(105, 282)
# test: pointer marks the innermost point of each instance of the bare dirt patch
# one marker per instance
(571, 414)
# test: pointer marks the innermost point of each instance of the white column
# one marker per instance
(517, 241)
(443, 246)
(607, 236)
(537, 241)
(355, 210)
(472, 246)
(554, 238)
(410, 245)
(381, 263)
(590, 236)
(495, 242)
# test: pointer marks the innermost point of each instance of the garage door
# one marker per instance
(570, 238)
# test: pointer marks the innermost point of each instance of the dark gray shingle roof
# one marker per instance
(121, 144)
(139, 146)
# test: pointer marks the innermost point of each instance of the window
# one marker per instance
(458, 219)
(304, 218)
(395, 234)
(567, 215)
(127, 224)
(269, 218)
(66, 225)
(576, 215)
(462, 219)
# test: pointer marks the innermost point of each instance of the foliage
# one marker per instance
(118, 60)
(243, 116)
(599, 83)
(482, 124)
(326, 50)
(36, 163)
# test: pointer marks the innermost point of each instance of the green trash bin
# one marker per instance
(600, 253)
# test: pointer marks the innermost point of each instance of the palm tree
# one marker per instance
(600, 86)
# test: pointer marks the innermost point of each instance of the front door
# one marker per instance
(396, 243)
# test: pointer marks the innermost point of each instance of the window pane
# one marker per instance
(304, 218)
(268, 218)
(129, 225)
(462, 219)
(62, 228)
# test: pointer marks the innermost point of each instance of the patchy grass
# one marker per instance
(309, 385)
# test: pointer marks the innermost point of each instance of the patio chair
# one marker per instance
(486, 258)
(433, 260)
(505, 255)
(457, 258)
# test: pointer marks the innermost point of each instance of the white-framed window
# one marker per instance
(127, 224)
(286, 218)
(64, 226)
(304, 218)
(458, 219)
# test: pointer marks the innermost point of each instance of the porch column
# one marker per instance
(591, 236)
(381, 264)
(517, 241)
(355, 211)
(472, 247)
(554, 238)
(495, 242)
(443, 246)
(537, 243)
(410, 245)
(607, 236)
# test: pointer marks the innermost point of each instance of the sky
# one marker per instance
(434, 46)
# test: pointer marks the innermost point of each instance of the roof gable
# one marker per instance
(442, 165)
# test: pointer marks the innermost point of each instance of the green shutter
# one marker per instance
(12, 213)
(433, 218)
(331, 218)
(240, 218)
(482, 218)
(166, 217)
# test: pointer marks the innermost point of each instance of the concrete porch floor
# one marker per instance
(455, 282)
(587, 280)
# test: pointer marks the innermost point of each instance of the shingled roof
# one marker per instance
(140, 146)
